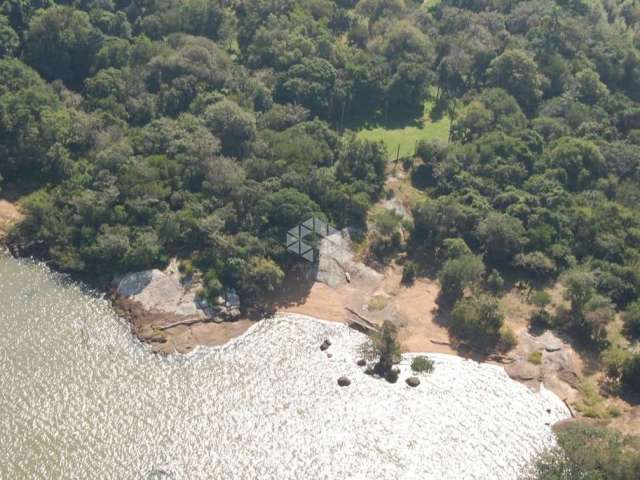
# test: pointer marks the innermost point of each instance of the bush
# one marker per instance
(631, 318)
(631, 374)
(495, 282)
(540, 319)
(409, 273)
(507, 340)
(422, 364)
(535, 357)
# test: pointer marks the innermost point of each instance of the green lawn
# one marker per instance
(408, 137)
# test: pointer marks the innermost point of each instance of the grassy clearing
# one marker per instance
(407, 137)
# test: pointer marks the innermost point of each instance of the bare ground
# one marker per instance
(9, 216)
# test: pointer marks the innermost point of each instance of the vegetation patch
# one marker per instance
(422, 364)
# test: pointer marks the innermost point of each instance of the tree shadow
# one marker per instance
(295, 287)
(395, 118)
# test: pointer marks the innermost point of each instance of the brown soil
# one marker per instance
(9, 216)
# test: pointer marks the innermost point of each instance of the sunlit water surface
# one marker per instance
(79, 398)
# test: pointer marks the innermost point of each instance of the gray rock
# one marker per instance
(413, 381)
(344, 382)
(325, 345)
(361, 362)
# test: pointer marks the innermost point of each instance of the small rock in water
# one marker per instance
(369, 371)
(329, 355)
(344, 382)
(413, 381)
(326, 344)
(361, 362)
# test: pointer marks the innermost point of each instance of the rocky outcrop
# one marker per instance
(413, 381)
(336, 265)
(344, 381)
(167, 292)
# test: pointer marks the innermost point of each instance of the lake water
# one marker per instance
(80, 398)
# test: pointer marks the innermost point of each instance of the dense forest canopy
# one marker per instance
(206, 129)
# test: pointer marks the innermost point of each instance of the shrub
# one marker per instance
(631, 318)
(495, 282)
(535, 357)
(540, 319)
(540, 298)
(507, 340)
(409, 273)
(631, 374)
(422, 364)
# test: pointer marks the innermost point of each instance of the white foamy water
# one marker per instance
(81, 399)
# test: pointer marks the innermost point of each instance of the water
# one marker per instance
(81, 399)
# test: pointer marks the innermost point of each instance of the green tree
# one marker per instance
(61, 44)
(517, 73)
(478, 321)
(503, 237)
(458, 274)
(384, 348)
(631, 318)
(590, 452)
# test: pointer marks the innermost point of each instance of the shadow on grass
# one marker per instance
(395, 118)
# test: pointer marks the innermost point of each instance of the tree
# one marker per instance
(590, 452)
(61, 44)
(631, 374)
(517, 73)
(503, 237)
(384, 348)
(9, 41)
(631, 318)
(458, 274)
(579, 289)
(365, 161)
(261, 276)
(234, 126)
(590, 88)
(580, 161)
(478, 321)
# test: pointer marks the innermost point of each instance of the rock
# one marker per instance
(413, 381)
(344, 382)
(326, 344)
(523, 371)
(369, 371)
(361, 362)
(552, 348)
(329, 355)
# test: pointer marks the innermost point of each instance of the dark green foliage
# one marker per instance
(588, 452)
(409, 273)
(478, 321)
(631, 318)
(631, 374)
(422, 364)
(458, 274)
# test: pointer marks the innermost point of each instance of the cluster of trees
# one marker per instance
(198, 128)
(587, 451)
(542, 175)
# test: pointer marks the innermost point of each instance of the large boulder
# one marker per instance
(344, 381)
(413, 381)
